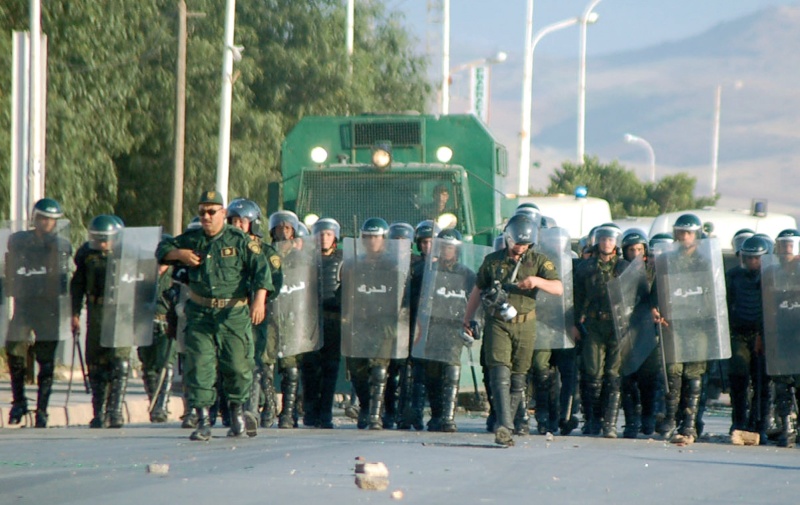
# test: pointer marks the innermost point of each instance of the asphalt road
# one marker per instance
(305, 466)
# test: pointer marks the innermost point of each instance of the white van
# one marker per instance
(577, 215)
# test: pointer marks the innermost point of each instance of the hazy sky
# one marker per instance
(481, 27)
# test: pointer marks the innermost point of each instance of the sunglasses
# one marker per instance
(210, 212)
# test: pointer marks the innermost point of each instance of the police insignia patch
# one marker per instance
(275, 261)
(228, 251)
(548, 265)
(255, 247)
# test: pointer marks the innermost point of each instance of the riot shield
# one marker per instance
(295, 312)
(375, 310)
(447, 282)
(554, 314)
(633, 319)
(692, 300)
(780, 291)
(5, 306)
(129, 299)
(37, 268)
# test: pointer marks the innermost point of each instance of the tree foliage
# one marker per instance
(111, 93)
(626, 194)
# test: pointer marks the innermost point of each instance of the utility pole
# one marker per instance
(176, 212)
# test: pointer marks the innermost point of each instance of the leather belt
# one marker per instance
(521, 318)
(600, 316)
(217, 303)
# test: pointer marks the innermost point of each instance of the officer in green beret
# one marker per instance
(228, 282)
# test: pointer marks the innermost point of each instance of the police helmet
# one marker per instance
(757, 245)
(193, 224)
(47, 207)
(499, 243)
(547, 222)
(401, 230)
(283, 216)
(103, 228)
(688, 222)
(529, 209)
(521, 229)
(118, 221)
(608, 230)
(591, 239)
(788, 242)
(767, 238)
(632, 237)
(302, 231)
(425, 229)
(375, 226)
(739, 237)
(450, 236)
(661, 238)
(327, 223)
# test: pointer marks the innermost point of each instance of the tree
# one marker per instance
(626, 194)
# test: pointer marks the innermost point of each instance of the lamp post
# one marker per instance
(715, 134)
(582, 81)
(445, 57)
(499, 57)
(633, 139)
(527, 91)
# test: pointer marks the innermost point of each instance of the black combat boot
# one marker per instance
(203, 431)
(377, 388)
(631, 406)
(361, 389)
(242, 423)
(435, 389)
(671, 399)
(762, 415)
(311, 376)
(500, 380)
(491, 419)
(116, 394)
(647, 388)
(189, 417)
(98, 379)
(611, 407)
(19, 405)
(543, 383)
(688, 432)
(519, 404)
(289, 384)
(783, 409)
(414, 415)
(739, 386)
(330, 372)
(268, 412)
(391, 396)
(160, 414)
(45, 380)
(593, 406)
(451, 376)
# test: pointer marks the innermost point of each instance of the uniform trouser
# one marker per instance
(566, 362)
(546, 396)
(154, 356)
(218, 339)
(601, 364)
(320, 369)
(363, 374)
(745, 368)
(679, 374)
(43, 323)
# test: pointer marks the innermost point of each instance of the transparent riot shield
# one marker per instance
(37, 268)
(375, 307)
(554, 314)
(129, 299)
(633, 320)
(5, 305)
(295, 311)
(447, 282)
(780, 292)
(692, 300)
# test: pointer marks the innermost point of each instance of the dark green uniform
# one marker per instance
(218, 328)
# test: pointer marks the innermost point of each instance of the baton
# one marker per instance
(71, 371)
(474, 377)
(76, 337)
(161, 376)
(663, 358)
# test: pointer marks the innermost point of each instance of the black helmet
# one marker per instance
(529, 209)
(756, 245)
(375, 226)
(661, 238)
(327, 223)
(401, 230)
(632, 237)
(283, 216)
(47, 207)
(425, 229)
(450, 236)
(739, 237)
(102, 228)
(521, 229)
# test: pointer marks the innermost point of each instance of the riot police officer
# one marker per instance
(108, 366)
(37, 273)
(320, 369)
(600, 352)
(507, 282)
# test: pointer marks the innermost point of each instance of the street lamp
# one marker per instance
(498, 57)
(715, 134)
(582, 81)
(527, 90)
(633, 139)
